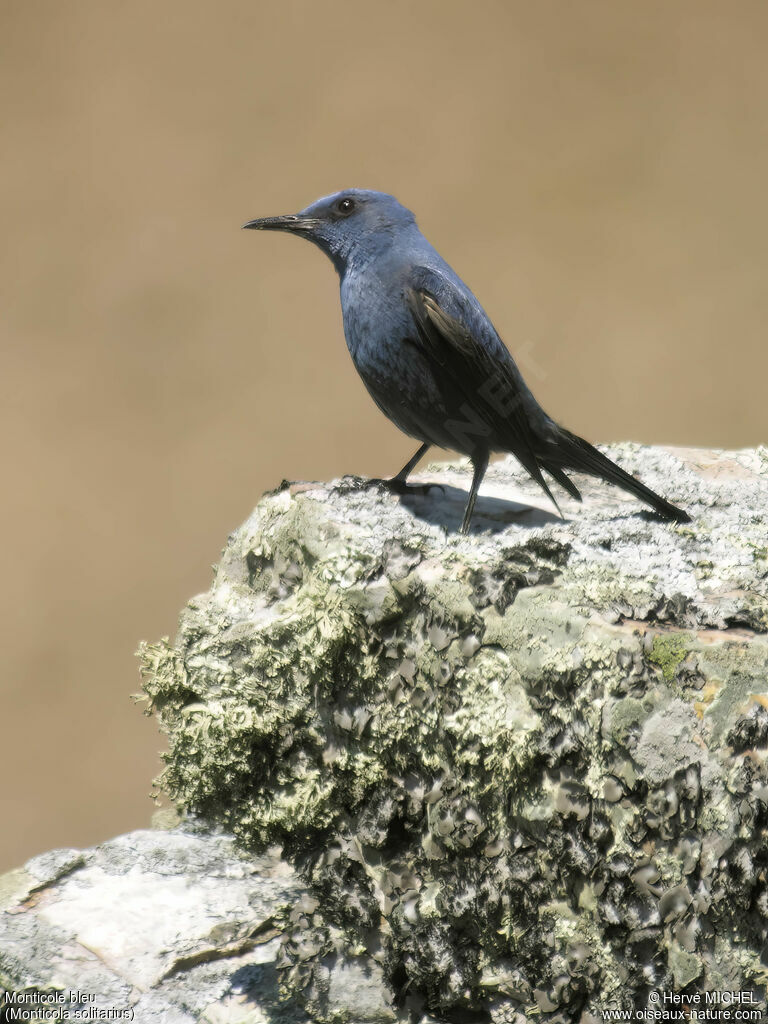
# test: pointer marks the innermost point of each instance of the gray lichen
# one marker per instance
(523, 772)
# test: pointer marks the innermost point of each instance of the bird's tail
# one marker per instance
(568, 451)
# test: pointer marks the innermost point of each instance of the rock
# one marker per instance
(172, 925)
(521, 774)
(523, 771)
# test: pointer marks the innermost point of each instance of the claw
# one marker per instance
(396, 484)
(399, 486)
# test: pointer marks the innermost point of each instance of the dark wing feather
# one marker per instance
(476, 372)
(475, 381)
(565, 481)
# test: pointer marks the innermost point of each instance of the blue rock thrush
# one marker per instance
(430, 357)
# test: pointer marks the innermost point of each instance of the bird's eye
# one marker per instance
(345, 206)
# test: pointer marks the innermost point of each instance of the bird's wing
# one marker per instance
(475, 372)
(474, 369)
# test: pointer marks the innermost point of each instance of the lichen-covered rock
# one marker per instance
(523, 771)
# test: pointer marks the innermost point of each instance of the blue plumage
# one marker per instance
(429, 355)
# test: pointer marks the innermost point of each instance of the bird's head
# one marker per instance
(350, 226)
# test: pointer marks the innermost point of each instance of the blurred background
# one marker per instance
(595, 171)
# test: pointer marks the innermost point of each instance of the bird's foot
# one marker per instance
(399, 486)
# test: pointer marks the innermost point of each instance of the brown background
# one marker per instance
(595, 170)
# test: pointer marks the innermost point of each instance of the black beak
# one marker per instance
(288, 222)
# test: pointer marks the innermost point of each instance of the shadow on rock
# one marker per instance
(444, 506)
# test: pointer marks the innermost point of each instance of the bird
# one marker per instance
(429, 355)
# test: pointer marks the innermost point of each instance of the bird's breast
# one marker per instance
(380, 336)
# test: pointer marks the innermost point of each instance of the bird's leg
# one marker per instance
(411, 463)
(398, 483)
(480, 464)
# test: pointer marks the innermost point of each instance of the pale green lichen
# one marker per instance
(668, 652)
(625, 719)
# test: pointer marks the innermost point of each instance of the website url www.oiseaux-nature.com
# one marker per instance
(717, 1007)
